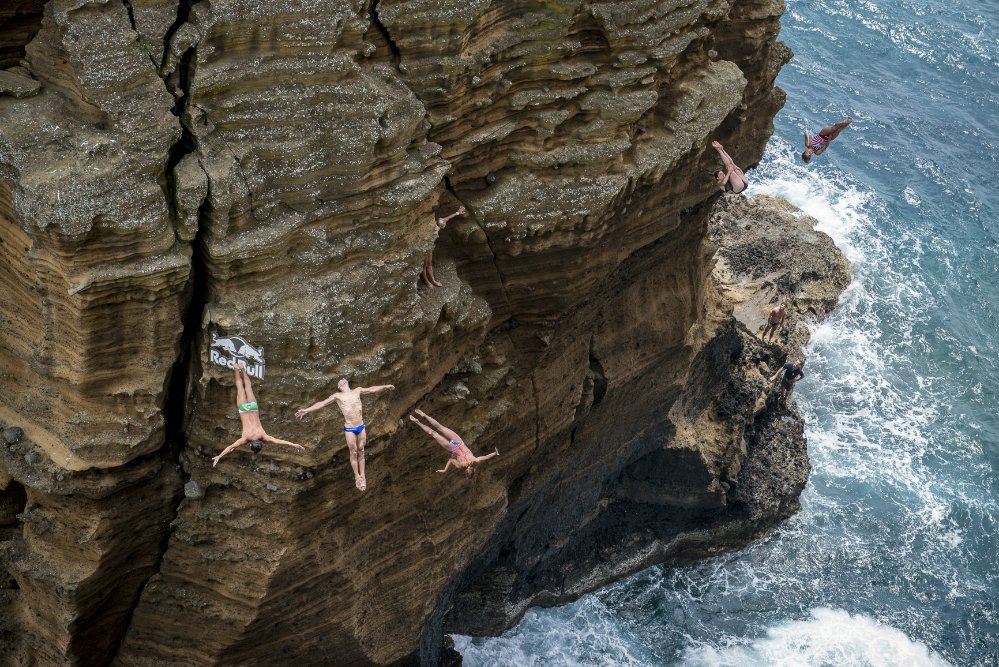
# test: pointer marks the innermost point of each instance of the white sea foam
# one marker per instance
(839, 210)
(580, 635)
(871, 422)
(828, 637)
(879, 513)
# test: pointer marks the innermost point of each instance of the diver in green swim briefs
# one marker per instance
(349, 402)
(249, 415)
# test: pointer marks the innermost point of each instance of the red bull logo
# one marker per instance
(227, 350)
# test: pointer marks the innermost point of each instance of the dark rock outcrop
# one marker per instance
(730, 461)
(271, 170)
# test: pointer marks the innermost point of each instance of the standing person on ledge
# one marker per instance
(791, 374)
(349, 402)
(732, 179)
(461, 455)
(249, 416)
(817, 145)
(427, 275)
(774, 321)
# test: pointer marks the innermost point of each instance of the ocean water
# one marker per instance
(894, 557)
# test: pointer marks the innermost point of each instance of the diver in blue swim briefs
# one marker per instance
(349, 402)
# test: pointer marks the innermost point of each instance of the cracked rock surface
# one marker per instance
(177, 168)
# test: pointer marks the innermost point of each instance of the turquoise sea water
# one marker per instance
(894, 557)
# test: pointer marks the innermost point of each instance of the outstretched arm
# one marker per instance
(806, 138)
(279, 441)
(315, 406)
(447, 465)
(493, 454)
(446, 219)
(800, 377)
(777, 374)
(228, 450)
(376, 389)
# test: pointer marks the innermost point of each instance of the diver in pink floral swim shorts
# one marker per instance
(461, 456)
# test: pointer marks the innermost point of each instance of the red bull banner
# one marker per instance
(227, 350)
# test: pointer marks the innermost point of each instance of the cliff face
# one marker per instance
(171, 169)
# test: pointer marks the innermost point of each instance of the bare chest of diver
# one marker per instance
(350, 406)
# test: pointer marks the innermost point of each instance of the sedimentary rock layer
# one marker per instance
(272, 170)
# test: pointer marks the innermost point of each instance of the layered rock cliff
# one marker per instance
(170, 169)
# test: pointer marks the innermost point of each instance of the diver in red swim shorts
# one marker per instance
(817, 144)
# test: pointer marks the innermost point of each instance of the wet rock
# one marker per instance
(12, 435)
(449, 656)
(33, 458)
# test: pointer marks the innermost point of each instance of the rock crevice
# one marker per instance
(272, 170)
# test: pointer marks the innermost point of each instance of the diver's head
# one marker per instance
(343, 385)
(470, 470)
(806, 155)
(256, 446)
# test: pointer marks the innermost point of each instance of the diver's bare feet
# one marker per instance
(360, 484)
(715, 144)
(419, 412)
(414, 419)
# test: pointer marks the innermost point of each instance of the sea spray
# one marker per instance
(828, 637)
(892, 560)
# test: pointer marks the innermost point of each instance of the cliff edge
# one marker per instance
(173, 169)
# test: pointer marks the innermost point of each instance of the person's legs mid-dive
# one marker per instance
(441, 440)
(247, 387)
(362, 439)
(443, 430)
(352, 446)
(830, 132)
(738, 180)
(240, 392)
(725, 157)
